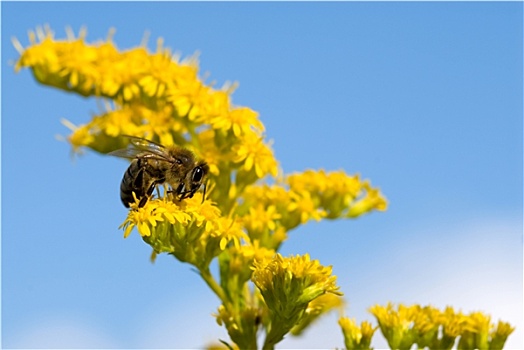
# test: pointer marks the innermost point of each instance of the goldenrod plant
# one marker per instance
(249, 206)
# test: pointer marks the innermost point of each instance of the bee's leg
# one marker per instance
(158, 194)
(169, 193)
(191, 193)
(179, 192)
(185, 194)
(148, 194)
(143, 201)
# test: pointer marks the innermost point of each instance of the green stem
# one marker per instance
(276, 333)
(242, 338)
(212, 283)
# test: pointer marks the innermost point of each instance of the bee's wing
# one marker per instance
(147, 145)
(142, 147)
(129, 153)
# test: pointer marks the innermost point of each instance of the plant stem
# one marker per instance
(212, 283)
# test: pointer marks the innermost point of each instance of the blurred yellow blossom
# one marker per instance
(356, 337)
(427, 326)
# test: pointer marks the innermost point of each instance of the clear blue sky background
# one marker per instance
(424, 99)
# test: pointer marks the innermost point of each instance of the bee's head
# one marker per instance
(198, 174)
(192, 181)
(197, 178)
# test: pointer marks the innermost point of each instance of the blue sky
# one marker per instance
(423, 99)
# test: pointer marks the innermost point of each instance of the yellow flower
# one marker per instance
(328, 184)
(395, 325)
(267, 195)
(306, 208)
(255, 155)
(253, 251)
(145, 219)
(500, 334)
(452, 323)
(311, 195)
(338, 194)
(100, 69)
(160, 122)
(356, 337)
(42, 55)
(104, 133)
(236, 262)
(431, 328)
(288, 285)
(480, 333)
(162, 71)
(240, 121)
(80, 136)
(308, 181)
(264, 197)
(372, 200)
(197, 102)
(260, 220)
(192, 231)
(224, 231)
(303, 278)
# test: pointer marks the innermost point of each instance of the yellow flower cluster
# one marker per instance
(338, 194)
(157, 97)
(356, 337)
(192, 230)
(243, 221)
(102, 70)
(269, 211)
(430, 327)
(287, 282)
(288, 286)
(241, 325)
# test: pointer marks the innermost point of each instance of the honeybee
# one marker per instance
(153, 164)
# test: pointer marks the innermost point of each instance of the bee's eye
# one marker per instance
(178, 161)
(198, 173)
